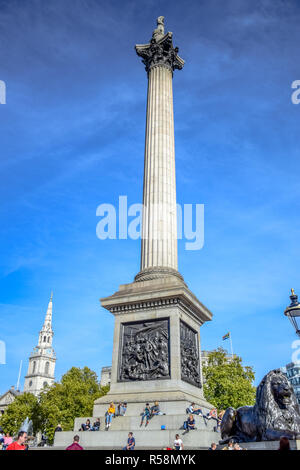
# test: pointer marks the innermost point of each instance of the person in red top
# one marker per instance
(19, 444)
(75, 445)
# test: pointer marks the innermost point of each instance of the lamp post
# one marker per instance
(293, 312)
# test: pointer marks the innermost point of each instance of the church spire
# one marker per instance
(48, 318)
(42, 360)
(46, 333)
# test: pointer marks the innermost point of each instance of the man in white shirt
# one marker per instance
(178, 444)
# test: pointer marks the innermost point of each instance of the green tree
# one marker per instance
(228, 382)
(24, 405)
(66, 400)
(73, 397)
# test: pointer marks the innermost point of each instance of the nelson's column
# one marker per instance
(156, 350)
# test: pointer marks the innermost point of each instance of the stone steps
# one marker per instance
(145, 439)
(171, 407)
(132, 423)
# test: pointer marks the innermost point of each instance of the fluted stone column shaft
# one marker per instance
(157, 318)
(159, 231)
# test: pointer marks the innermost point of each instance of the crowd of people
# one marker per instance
(20, 442)
(120, 410)
(230, 446)
(112, 412)
(189, 424)
(8, 443)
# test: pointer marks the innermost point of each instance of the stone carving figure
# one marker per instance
(190, 366)
(275, 413)
(159, 32)
(145, 355)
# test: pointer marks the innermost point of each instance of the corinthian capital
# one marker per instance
(160, 50)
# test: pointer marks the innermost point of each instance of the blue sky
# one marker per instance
(72, 137)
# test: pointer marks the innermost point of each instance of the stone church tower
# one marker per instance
(42, 360)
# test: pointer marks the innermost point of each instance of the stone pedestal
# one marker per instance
(156, 351)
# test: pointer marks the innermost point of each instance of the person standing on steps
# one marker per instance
(75, 445)
(178, 444)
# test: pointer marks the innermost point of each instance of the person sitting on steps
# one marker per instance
(122, 408)
(86, 426)
(194, 410)
(146, 414)
(155, 410)
(189, 424)
(213, 414)
(96, 425)
(109, 414)
(130, 442)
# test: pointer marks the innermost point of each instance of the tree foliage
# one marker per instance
(61, 403)
(24, 405)
(73, 397)
(228, 382)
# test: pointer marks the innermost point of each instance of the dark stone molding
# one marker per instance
(144, 351)
(160, 53)
(154, 303)
(144, 305)
(189, 351)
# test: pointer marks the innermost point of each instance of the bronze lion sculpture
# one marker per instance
(275, 413)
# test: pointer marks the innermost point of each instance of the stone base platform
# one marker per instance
(145, 439)
(150, 437)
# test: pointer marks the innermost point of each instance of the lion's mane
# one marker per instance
(269, 414)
